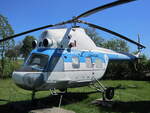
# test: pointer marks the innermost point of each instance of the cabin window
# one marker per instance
(75, 62)
(98, 63)
(88, 62)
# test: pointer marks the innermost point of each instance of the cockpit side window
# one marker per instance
(38, 61)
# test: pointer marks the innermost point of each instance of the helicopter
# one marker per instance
(68, 58)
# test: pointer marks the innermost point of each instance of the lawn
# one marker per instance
(134, 96)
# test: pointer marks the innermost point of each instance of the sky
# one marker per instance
(128, 19)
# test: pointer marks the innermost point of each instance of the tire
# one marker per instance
(109, 94)
(63, 90)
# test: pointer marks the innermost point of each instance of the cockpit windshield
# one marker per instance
(37, 61)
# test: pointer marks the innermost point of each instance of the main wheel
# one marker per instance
(63, 90)
(109, 93)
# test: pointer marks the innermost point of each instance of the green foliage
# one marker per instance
(135, 70)
(11, 54)
(120, 70)
(116, 45)
(10, 67)
(5, 28)
(98, 40)
(27, 46)
(5, 31)
(144, 64)
(14, 52)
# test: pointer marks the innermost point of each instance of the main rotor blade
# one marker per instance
(33, 30)
(111, 32)
(100, 8)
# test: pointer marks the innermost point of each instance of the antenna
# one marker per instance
(139, 48)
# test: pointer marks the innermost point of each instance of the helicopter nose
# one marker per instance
(29, 81)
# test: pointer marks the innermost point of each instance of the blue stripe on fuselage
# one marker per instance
(67, 54)
(123, 56)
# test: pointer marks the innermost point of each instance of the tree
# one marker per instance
(122, 69)
(98, 40)
(14, 52)
(5, 31)
(27, 46)
(116, 45)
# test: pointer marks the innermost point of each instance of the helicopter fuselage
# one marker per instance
(71, 60)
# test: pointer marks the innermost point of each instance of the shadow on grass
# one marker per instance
(131, 106)
(47, 102)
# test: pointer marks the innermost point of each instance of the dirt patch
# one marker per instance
(52, 110)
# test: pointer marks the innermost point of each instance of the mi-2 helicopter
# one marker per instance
(68, 58)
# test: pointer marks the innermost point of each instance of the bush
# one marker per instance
(10, 66)
(119, 70)
(128, 70)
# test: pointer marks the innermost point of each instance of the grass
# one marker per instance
(133, 97)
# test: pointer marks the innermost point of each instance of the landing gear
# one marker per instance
(107, 93)
(63, 90)
(33, 96)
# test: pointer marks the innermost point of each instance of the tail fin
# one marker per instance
(138, 55)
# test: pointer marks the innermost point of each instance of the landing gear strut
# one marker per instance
(63, 91)
(33, 95)
(107, 93)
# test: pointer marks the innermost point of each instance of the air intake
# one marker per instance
(47, 42)
(34, 44)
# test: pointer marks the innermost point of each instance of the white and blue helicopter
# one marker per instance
(68, 58)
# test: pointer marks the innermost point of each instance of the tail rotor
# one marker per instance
(138, 65)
